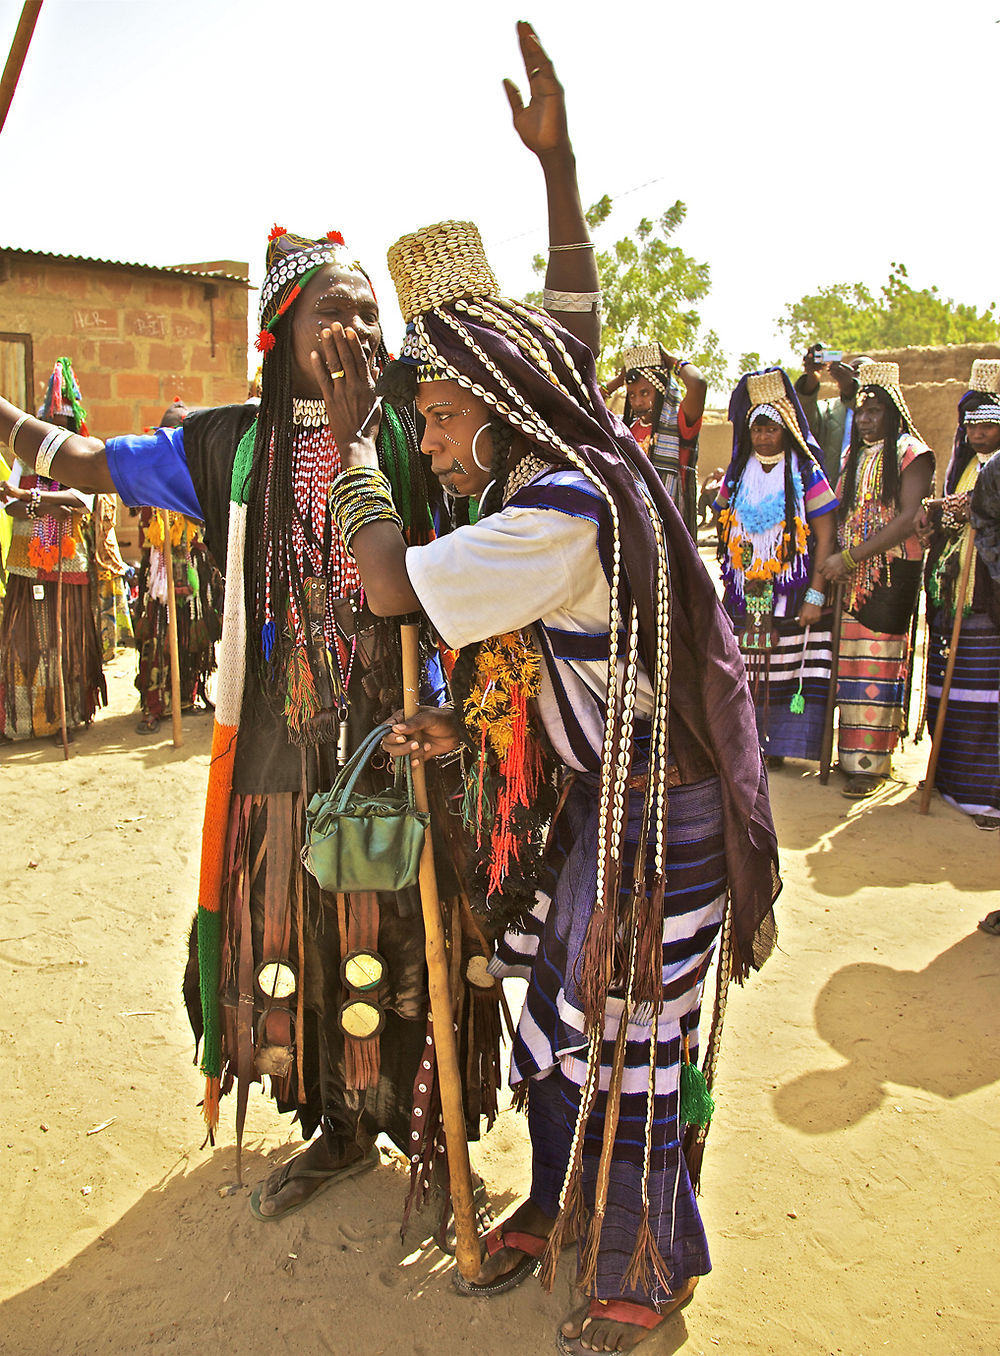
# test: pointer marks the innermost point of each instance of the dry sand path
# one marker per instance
(852, 1180)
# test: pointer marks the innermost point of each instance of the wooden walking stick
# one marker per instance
(949, 672)
(467, 1252)
(172, 645)
(59, 656)
(16, 56)
(826, 749)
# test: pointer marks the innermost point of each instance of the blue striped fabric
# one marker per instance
(968, 770)
(550, 1045)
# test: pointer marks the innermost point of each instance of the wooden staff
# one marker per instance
(949, 672)
(59, 653)
(15, 59)
(175, 655)
(467, 1252)
(826, 749)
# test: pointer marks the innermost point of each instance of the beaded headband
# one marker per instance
(414, 354)
(439, 264)
(984, 414)
(291, 261)
(767, 395)
(886, 377)
(985, 375)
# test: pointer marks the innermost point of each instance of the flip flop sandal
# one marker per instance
(530, 1244)
(860, 784)
(326, 1178)
(991, 923)
(622, 1311)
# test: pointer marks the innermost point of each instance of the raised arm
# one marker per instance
(78, 462)
(571, 285)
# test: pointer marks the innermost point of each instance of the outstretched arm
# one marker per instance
(79, 462)
(571, 275)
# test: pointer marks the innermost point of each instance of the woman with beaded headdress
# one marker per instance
(968, 765)
(595, 663)
(887, 471)
(776, 525)
(303, 669)
(51, 541)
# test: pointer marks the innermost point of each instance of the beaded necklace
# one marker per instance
(867, 516)
(756, 537)
(942, 580)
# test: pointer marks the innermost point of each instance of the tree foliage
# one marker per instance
(649, 288)
(851, 317)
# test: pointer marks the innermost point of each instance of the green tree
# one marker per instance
(649, 288)
(850, 316)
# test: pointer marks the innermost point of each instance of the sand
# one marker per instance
(851, 1180)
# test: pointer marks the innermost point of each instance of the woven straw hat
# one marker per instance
(886, 377)
(767, 388)
(438, 264)
(985, 375)
(645, 355)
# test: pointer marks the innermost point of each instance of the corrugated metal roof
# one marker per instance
(125, 264)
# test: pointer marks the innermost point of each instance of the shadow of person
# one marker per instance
(934, 1029)
(188, 1269)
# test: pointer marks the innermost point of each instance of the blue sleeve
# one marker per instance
(150, 470)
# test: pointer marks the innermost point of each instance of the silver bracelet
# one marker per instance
(50, 445)
(582, 303)
(13, 433)
(815, 597)
(583, 245)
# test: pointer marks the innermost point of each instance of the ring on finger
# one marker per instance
(335, 375)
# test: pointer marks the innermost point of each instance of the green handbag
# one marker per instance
(356, 841)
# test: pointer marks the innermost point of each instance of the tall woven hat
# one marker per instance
(291, 260)
(649, 360)
(768, 388)
(439, 264)
(985, 375)
(886, 377)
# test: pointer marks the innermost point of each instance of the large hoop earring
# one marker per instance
(475, 439)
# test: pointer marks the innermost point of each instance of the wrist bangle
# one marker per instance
(13, 433)
(815, 596)
(50, 445)
(34, 502)
(682, 362)
(582, 303)
(848, 559)
(582, 245)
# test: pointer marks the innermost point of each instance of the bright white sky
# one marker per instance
(811, 143)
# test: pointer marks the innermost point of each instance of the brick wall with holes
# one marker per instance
(137, 339)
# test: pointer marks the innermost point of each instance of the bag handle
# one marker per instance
(352, 769)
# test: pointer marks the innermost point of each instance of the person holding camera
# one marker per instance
(830, 420)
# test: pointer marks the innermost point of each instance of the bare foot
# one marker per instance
(298, 1180)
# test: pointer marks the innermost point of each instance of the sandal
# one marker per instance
(148, 725)
(624, 1311)
(860, 784)
(324, 1177)
(991, 923)
(530, 1244)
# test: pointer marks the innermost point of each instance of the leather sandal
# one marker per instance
(624, 1311)
(530, 1244)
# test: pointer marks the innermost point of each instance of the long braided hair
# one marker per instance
(272, 507)
(892, 426)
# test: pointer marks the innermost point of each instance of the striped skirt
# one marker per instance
(870, 684)
(800, 656)
(968, 770)
(550, 1045)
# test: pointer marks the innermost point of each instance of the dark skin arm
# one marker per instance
(52, 503)
(914, 486)
(80, 462)
(541, 125)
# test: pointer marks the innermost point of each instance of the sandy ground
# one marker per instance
(850, 1187)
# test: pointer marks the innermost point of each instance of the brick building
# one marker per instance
(137, 336)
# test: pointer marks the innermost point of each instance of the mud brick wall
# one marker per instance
(137, 337)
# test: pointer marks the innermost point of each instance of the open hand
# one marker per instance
(541, 124)
(347, 384)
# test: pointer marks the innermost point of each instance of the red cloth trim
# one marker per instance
(685, 429)
(530, 1244)
(620, 1311)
